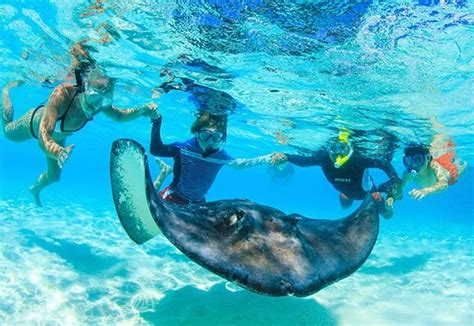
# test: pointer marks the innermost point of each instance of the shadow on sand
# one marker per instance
(218, 306)
(399, 265)
(82, 257)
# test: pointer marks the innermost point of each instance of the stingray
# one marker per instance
(258, 247)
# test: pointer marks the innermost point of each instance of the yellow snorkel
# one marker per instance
(343, 138)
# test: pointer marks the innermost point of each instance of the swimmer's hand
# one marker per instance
(151, 110)
(418, 194)
(64, 154)
(278, 158)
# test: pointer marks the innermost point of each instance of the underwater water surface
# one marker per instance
(300, 71)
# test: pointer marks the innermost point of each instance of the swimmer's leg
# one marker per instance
(18, 130)
(345, 201)
(165, 170)
(386, 208)
(52, 175)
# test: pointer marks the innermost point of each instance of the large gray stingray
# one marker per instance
(258, 247)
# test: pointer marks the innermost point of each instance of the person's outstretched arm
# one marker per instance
(316, 158)
(441, 175)
(242, 163)
(393, 186)
(157, 148)
(124, 115)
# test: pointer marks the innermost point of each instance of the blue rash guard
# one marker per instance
(193, 174)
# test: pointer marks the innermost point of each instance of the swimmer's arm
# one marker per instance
(304, 161)
(48, 122)
(384, 165)
(393, 187)
(242, 163)
(124, 115)
(441, 175)
(157, 148)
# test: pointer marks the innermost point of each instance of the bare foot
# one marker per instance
(36, 195)
(165, 170)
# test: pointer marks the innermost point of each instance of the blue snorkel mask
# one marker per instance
(210, 140)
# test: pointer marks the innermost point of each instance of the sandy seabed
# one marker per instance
(76, 266)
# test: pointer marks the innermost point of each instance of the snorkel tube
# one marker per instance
(342, 159)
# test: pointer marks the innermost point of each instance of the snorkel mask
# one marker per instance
(415, 158)
(96, 98)
(341, 150)
(210, 140)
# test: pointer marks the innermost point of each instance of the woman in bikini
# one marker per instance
(67, 110)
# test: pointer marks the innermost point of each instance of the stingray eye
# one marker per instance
(235, 217)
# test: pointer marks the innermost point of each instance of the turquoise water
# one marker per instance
(300, 71)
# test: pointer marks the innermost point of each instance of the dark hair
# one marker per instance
(413, 149)
(207, 120)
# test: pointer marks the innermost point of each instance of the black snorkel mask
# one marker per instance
(415, 158)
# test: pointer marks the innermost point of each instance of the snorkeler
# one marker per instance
(198, 160)
(67, 110)
(347, 171)
(434, 168)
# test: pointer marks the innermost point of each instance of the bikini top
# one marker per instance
(64, 116)
(61, 119)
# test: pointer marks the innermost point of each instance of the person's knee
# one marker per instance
(54, 177)
(10, 134)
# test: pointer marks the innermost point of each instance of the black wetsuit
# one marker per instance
(348, 179)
